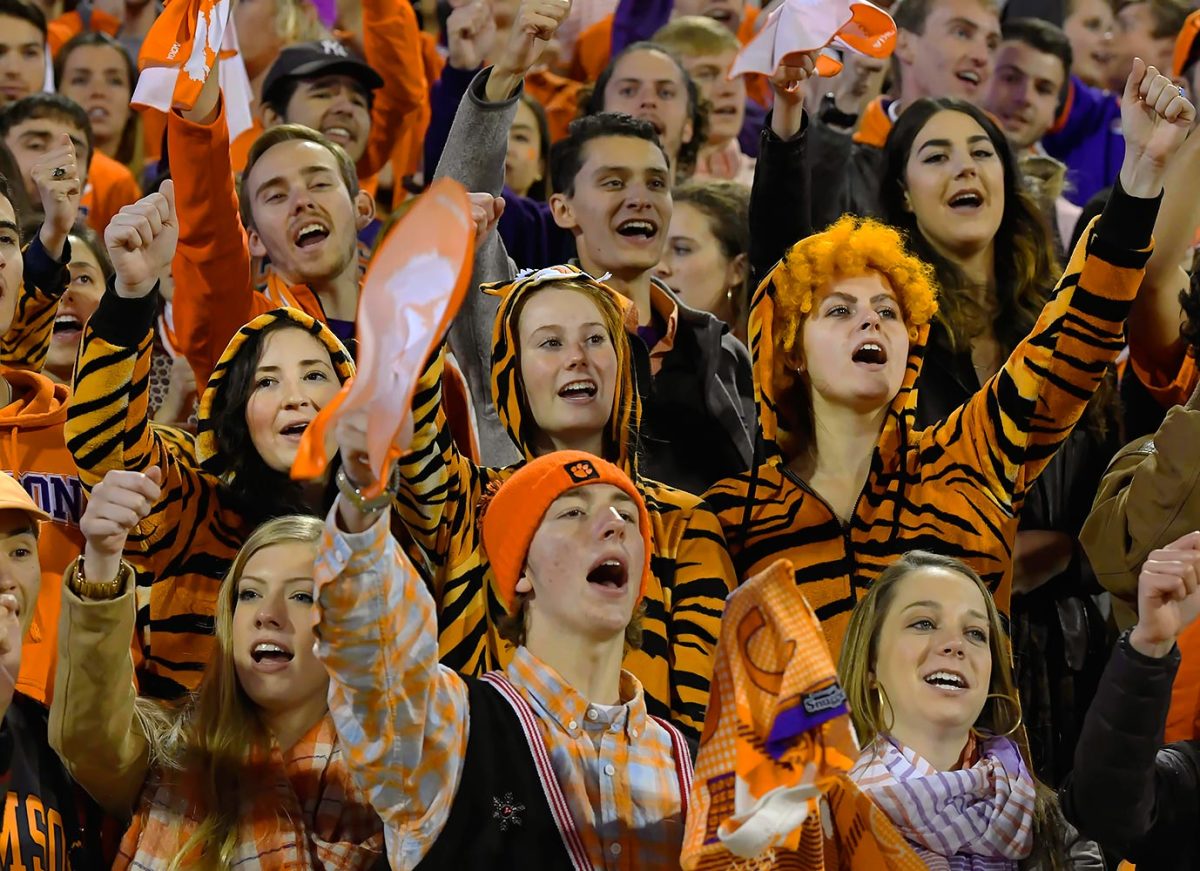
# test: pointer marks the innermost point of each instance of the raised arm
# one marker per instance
(401, 716)
(27, 341)
(94, 725)
(392, 45)
(214, 292)
(781, 198)
(1024, 412)
(474, 156)
(1125, 791)
(1155, 347)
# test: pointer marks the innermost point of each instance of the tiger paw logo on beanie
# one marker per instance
(581, 471)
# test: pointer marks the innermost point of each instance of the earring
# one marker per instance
(1016, 706)
(880, 700)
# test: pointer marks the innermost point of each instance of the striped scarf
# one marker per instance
(978, 818)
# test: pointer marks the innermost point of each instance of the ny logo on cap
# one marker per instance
(332, 46)
(581, 471)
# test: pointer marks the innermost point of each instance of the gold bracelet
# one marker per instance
(100, 591)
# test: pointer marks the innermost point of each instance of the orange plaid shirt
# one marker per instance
(403, 718)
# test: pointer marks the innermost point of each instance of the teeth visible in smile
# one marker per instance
(871, 346)
(338, 131)
(973, 78)
(945, 678)
(268, 647)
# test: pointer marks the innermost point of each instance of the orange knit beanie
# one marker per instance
(514, 514)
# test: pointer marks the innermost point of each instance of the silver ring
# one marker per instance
(59, 172)
(1182, 92)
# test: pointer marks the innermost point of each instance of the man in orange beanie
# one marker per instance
(552, 762)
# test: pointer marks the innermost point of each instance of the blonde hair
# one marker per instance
(696, 36)
(297, 21)
(207, 740)
(856, 669)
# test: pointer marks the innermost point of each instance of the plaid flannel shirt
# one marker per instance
(403, 718)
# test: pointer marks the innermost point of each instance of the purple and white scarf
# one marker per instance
(978, 818)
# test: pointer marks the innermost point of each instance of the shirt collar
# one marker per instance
(558, 703)
(664, 306)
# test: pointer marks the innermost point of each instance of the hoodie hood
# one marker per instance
(39, 403)
(508, 393)
(207, 449)
(763, 348)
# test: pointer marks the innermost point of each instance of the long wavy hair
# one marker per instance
(1026, 265)
(1024, 245)
(207, 741)
(856, 670)
(129, 149)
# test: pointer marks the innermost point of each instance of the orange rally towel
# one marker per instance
(807, 25)
(178, 52)
(771, 787)
(414, 285)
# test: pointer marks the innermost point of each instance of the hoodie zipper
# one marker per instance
(846, 526)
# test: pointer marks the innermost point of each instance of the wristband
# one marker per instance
(364, 505)
(99, 591)
(829, 113)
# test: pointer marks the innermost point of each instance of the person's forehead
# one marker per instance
(325, 80)
(101, 57)
(1024, 57)
(8, 214)
(288, 560)
(18, 31)
(647, 65)
(948, 124)
(82, 254)
(14, 522)
(49, 126)
(630, 153)
(292, 158)
(288, 345)
(952, 590)
(978, 12)
(721, 60)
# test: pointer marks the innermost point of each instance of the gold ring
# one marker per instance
(59, 172)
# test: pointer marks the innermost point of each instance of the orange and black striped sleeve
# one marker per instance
(26, 342)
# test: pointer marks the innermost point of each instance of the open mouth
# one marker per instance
(870, 352)
(582, 389)
(721, 14)
(97, 113)
(969, 78)
(266, 651)
(67, 327)
(638, 229)
(311, 235)
(966, 201)
(294, 430)
(726, 109)
(611, 574)
(947, 680)
(338, 134)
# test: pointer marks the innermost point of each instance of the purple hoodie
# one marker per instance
(1090, 142)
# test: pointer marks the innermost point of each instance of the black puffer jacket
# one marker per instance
(1136, 797)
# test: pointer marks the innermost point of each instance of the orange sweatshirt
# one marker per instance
(33, 450)
(61, 30)
(110, 187)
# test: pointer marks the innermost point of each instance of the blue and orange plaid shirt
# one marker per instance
(402, 718)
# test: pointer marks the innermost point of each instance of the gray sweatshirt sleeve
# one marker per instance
(474, 157)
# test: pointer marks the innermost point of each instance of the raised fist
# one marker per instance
(141, 241)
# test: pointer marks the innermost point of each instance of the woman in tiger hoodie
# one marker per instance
(275, 375)
(562, 379)
(846, 483)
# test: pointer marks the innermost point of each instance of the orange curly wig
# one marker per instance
(850, 248)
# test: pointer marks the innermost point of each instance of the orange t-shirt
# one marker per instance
(110, 187)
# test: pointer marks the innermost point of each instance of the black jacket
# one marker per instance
(1136, 797)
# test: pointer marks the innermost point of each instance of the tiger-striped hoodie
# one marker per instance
(957, 487)
(182, 550)
(440, 503)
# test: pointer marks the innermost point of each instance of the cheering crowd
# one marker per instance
(805, 480)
